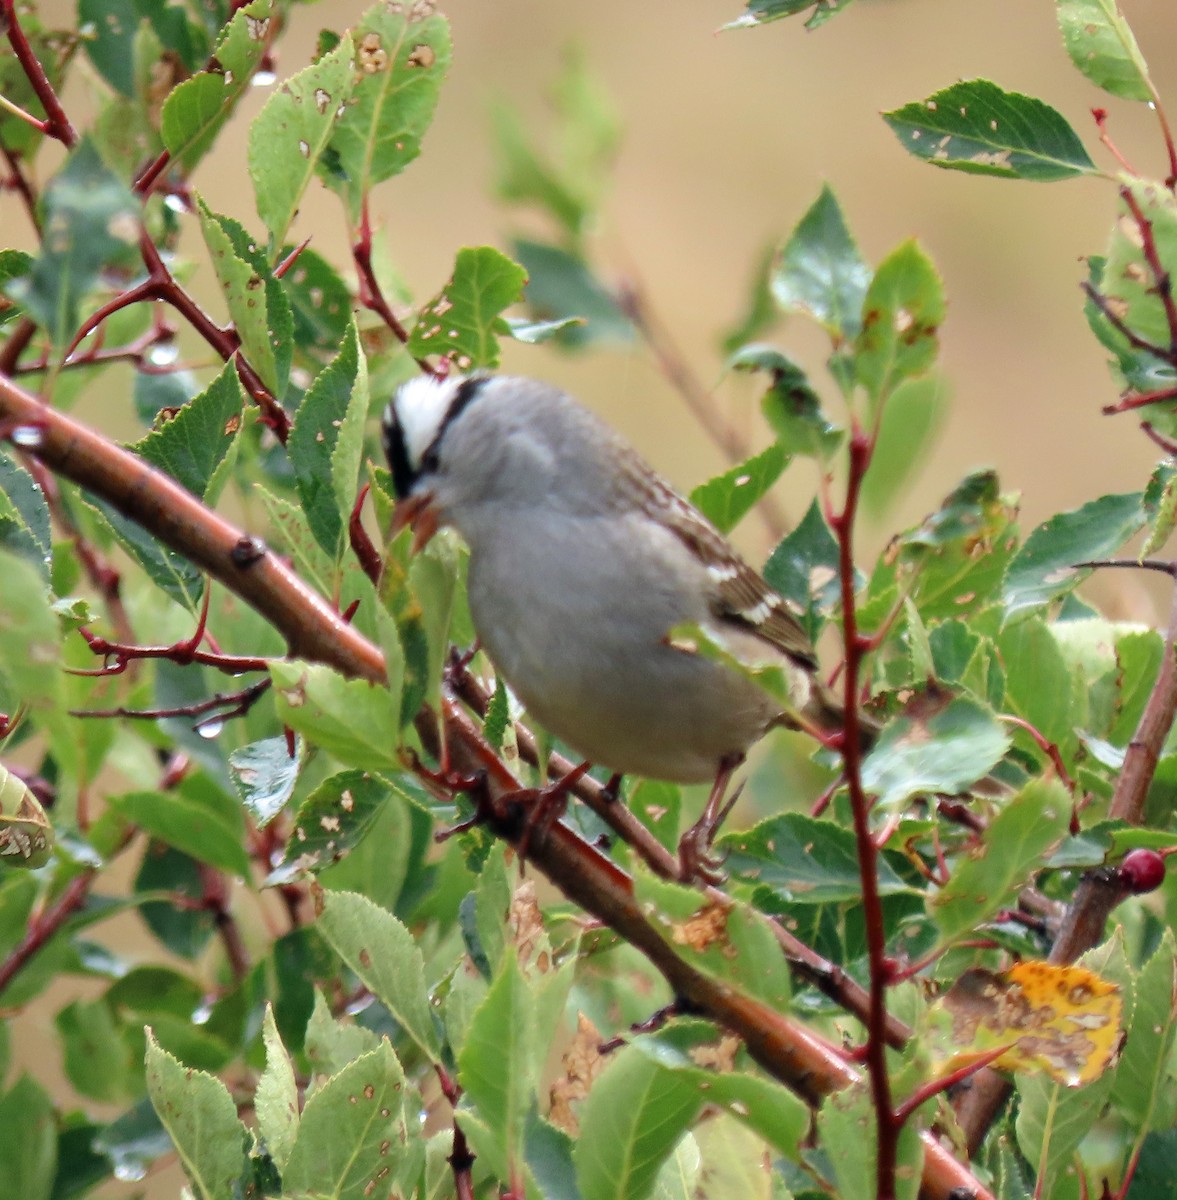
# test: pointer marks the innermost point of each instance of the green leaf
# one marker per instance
(171, 572)
(24, 515)
(289, 136)
(761, 12)
(820, 271)
(532, 333)
(1143, 1086)
(499, 1064)
(934, 752)
(901, 316)
(196, 109)
(134, 1141)
(847, 1130)
(14, 264)
(726, 499)
(629, 1126)
(332, 819)
(790, 406)
(804, 861)
(97, 1059)
(350, 718)
(326, 442)
(1101, 44)
(330, 1044)
(1052, 1120)
(30, 1140)
(264, 774)
(255, 299)
(461, 323)
(1013, 849)
(30, 638)
(91, 220)
(804, 569)
(184, 931)
(276, 1099)
(561, 287)
(320, 302)
(401, 58)
(382, 952)
(1043, 569)
(1039, 685)
(1129, 286)
(201, 1119)
(196, 447)
(188, 825)
(1155, 1177)
(354, 1136)
(977, 126)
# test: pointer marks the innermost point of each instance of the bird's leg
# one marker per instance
(695, 860)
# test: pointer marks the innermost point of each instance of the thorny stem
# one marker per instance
(1134, 339)
(460, 1157)
(42, 927)
(57, 124)
(220, 707)
(860, 448)
(19, 183)
(942, 1083)
(1101, 123)
(1049, 748)
(1140, 400)
(1161, 277)
(216, 901)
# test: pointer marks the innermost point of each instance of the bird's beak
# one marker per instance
(418, 513)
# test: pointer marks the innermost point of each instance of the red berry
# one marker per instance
(1142, 871)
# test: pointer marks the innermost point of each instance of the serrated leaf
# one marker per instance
(255, 299)
(24, 515)
(820, 271)
(382, 952)
(326, 441)
(1013, 848)
(195, 446)
(349, 718)
(184, 823)
(901, 316)
(630, 1124)
(461, 323)
(804, 861)
(726, 499)
(979, 127)
(289, 136)
(90, 220)
(276, 1098)
(499, 1063)
(332, 819)
(196, 109)
(201, 1119)
(264, 774)
(330, 1044)
(1043, 569)
(939, 751)
(354, 1137)
(1101, 44)
(401, 57)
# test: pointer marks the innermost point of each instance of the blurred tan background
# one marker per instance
(728, 139)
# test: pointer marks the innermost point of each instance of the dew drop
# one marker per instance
(175, 203)
(130, 1172)
(28, 436)
(202, 1014)
(263, 79)
(210, 729)
(163, 354)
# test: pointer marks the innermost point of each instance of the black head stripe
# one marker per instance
(406, 473)
(468, 389)
(403, 475)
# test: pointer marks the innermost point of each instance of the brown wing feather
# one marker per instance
(739, 593)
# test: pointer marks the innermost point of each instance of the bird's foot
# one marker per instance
(697, 861)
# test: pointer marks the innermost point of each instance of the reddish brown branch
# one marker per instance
(1162, 279)
(43, 926)
(57, 124)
